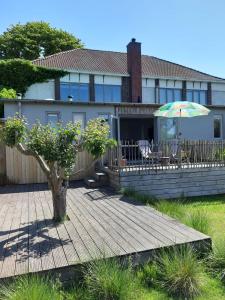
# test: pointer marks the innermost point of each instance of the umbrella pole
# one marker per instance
(179, 142)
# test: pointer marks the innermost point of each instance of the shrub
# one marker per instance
(199, 220)
(216, 259)
(31, 288)
(147, 274)
(109, 280)
(179, 272)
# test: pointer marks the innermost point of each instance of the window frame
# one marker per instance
(104, 86)
(53, 113)
(69, 84)
(173, 90)
(192, 91)
(220, 118)
(85, 118)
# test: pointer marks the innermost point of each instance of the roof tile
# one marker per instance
(116, 62)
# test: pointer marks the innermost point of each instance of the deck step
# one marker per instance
(91, 182)
(101, 177)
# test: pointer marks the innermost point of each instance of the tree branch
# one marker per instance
(40, 160)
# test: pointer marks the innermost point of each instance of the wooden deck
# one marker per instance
(101, 223)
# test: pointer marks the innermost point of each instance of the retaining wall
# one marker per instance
(175, 183)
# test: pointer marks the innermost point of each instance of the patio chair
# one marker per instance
(146, 152)
(174, 146)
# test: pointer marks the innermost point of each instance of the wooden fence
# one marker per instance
(16, 168)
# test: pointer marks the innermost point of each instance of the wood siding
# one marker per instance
(23, 169)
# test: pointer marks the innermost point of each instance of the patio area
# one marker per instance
(101, 224)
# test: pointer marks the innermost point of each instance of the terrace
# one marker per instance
(169, 169)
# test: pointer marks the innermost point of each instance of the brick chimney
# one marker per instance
(134, 69)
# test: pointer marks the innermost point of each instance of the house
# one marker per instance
(125, 88)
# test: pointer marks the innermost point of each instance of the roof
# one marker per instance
(100, 61)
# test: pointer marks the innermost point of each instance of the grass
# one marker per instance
(31, 288)
(110, 280)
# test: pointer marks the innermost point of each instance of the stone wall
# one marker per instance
(176, 183)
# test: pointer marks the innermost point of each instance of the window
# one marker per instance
(148, 94)
(79, 91)
(196, 96)
(217, 126)
(53, 118)
(81, 118)
(168, 129)
(107, 93)
(104, 116)
(169, 95)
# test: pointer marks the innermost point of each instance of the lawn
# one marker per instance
(179, 274)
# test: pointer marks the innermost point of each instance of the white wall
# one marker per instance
(75, 77)
(38, 111)
(196, 85)
(113, 80)
(172, 84)
(43, 91)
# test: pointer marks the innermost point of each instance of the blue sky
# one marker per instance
(189, 32)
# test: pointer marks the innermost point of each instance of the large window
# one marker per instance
(107, 93)
(169, 95)
(78, 91)
(196, 96)
(217, 126)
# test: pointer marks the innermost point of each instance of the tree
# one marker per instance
(34, 39)
(6, 94)
(55, 150)
(19, 74)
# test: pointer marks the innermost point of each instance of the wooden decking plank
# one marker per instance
(110, 225)
(69, 250)
(151, 225)
(9, 263)
(98, 226)
(175, 224)
(22, 255)
(135, 234)
(121, 227)
(103, 247)
(47, 260)
(148, 239)
(33, 238)
(87, 238)
(6, 232)
(57, 250)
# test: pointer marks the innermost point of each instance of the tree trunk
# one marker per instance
(59, 190)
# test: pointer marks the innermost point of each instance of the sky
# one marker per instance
(188, 32)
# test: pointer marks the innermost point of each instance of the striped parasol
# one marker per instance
(181, 109)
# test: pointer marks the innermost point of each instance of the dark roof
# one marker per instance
(116, 62)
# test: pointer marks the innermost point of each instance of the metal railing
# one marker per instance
(174, 154)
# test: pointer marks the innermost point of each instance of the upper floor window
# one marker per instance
(196, 96)
(169, 95)
(78, 91)
(107, 93)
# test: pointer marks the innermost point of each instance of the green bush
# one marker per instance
(180, 272)
(109, 280)
(31, 288)
(177, 272)
(216, 259)
(199, 220)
